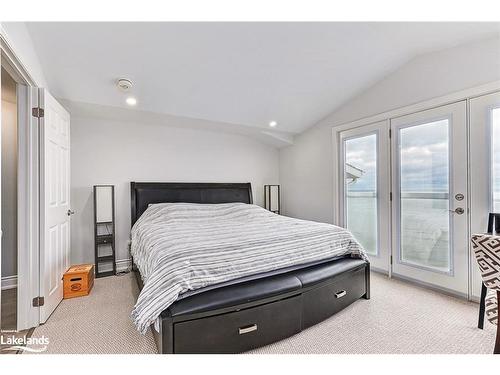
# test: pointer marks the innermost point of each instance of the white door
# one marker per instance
(54, 201)
(364, 189)
(429, 207)
(485, 169)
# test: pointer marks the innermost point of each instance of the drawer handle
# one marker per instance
(340, 294)
(248, 329)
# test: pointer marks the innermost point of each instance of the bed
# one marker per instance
(233, 307)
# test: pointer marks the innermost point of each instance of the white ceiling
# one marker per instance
(236, 73)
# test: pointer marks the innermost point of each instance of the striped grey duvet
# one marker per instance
(180, 247)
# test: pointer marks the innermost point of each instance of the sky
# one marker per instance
(423, 158)
(361, 153)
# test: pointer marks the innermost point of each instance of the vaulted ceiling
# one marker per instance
(235, 73)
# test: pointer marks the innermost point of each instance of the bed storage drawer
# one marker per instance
(239, 331)
(325, 299)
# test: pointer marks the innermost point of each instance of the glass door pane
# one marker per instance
(430, 217)
(484, 170)
(424, 229)
(364, 187)
(360, 176)
(495, 159)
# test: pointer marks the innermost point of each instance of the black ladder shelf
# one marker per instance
(104, 233)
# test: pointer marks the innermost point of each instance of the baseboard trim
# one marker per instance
(123, 265)
(379, 270)
(435, 288)
(9, 282)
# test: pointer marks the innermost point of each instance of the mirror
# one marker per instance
(272, 198)
(104, 204)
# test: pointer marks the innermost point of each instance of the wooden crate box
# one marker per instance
(78, 280)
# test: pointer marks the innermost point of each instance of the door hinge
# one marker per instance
(391, 260)
(390, 196)
(38, 301)
(390, 133)
(37, 112)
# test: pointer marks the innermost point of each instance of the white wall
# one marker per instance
(117, 152)
(9, 176)
(306, 168)
(17, 36)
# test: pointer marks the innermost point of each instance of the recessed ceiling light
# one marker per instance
(131, 100)
(272, 124)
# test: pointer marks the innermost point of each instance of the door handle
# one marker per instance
(71, 212)
(340, 294)
(458, 211)
(247, 329)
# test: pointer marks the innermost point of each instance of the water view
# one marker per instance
(424, 223)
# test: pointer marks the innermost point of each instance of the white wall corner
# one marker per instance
(18, 39)
(278, 139)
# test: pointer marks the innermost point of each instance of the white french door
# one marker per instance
(364, 188)
(429, 189)
(485, 169)
(403, 195)
(55, 201)
(441, 169)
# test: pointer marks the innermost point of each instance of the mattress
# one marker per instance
(182, 248)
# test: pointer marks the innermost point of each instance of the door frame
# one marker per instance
(28, 275)
(480, 148)
(455, 97)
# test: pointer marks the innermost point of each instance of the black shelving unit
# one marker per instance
(104, 234)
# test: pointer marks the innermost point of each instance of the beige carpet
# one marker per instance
(98, 323)
(400, 318)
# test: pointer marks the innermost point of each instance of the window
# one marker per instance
(424, 194)
(360, 174)
(495, 159)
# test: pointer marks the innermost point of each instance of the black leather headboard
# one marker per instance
(145, 193)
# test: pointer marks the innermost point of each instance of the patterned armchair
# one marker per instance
(487, 251)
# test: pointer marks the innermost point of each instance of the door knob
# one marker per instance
(70, 212)
(458, 210)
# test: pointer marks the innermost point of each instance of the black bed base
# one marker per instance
(241, 317)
